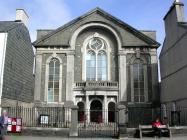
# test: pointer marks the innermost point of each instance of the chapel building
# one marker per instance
(96, 61)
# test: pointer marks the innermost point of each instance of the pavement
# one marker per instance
(60, 138)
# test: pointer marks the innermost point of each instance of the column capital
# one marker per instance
(70, 52)
(153, 53)
(74, 107)
(121, 52)
(38, 53)
(121, 107)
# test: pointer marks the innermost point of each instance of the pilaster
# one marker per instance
(122, 76)
(154, 74)
(70, 76)
(105, 111)
(87, 109)
(38, 71)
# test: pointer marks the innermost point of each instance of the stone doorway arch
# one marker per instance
(96, 111)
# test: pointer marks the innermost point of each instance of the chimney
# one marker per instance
(180, 11)
(174, 16)
(177, 9)
(21, 16)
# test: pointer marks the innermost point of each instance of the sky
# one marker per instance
(51, 14)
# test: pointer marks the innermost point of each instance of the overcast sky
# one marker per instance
(50, 14)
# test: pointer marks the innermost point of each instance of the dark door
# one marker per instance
(96, 111)
(111, 112)
(81, 114)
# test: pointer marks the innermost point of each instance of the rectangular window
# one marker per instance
(50, 95)
(53, 81)
(90, 66)
(56, 95)
(138, 81)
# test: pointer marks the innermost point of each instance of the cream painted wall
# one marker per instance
(3, 40)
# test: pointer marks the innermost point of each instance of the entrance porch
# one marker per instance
(99, 109)
(96, 101)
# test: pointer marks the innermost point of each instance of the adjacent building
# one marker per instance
(16, 62)
(173, 58)
(173, 66)
(96, 61)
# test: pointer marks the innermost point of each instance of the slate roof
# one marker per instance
(98, 10)
(5, 26)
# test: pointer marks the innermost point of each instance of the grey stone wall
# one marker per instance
(173, 62)
(18, 70)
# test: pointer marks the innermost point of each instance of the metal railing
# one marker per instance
(101, 123)
(173, 117)
(58, 117)
(146, 115)
(142, 115)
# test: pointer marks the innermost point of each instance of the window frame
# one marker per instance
(54, 81)
(145, 80)
(107, 51)
(54, 55)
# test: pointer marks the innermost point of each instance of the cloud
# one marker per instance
(43, 14)
(47, 14)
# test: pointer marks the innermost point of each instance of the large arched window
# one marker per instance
(96, 60)
(139, 81)
(53, 80)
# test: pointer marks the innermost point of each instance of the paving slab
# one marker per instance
(60, 138)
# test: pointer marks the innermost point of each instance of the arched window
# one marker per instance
(53, 80)
(96, 60)
(139, 81)
(90, 65)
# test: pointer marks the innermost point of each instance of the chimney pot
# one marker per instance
(22, 16)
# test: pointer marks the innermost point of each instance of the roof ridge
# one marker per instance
(10, 26)
(7, 21)
(69, 23)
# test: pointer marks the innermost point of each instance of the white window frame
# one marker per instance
(54, 55)
(84, 53)
(145, 65)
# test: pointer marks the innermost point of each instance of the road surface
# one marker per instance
(60, 138)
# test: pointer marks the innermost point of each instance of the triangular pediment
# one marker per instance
(129, 35)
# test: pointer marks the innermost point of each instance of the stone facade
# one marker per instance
(173, 59)
(68, 44)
